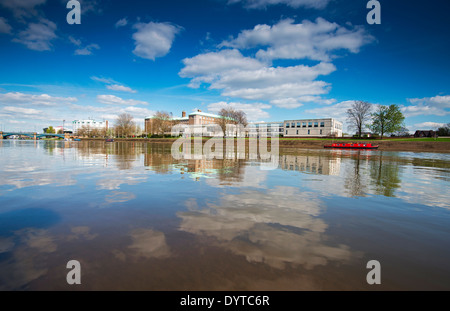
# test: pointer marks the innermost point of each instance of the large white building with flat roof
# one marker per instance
(91, 124)
(312, 128)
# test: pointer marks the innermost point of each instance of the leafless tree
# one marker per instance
(161, 123)
(232, 116)
(125, 125)
(358, 115)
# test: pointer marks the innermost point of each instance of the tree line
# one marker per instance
(381, 121)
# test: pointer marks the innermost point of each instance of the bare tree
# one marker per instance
(358, 115)
(125, 125)
(161, 123)
(231, 116)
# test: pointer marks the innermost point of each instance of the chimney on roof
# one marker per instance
(183, 114)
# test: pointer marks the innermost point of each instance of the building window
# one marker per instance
(320, 132)
(309, 125)
(322, 124)
(316, 124)
(304, 124)
(309, 132)
(293, 124)
(298, 124)
(297, 132)
(287, 126)
(286, 132)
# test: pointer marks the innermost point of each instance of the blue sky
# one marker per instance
(274, 59)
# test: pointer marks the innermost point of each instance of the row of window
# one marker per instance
(309, 132)
(303, 124)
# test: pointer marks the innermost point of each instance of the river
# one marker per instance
(135, 218)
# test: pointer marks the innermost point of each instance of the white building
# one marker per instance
(312, 128)
(271, 128)
(92, 124)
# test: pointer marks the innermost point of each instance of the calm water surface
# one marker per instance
(136, 219)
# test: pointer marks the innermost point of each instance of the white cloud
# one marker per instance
(121, 22)
(209, 66)
(27, 111)
(248, 78)
(104, 80)
(110, 112)
(254, 78)
(437, 105)
(307, 40)
(121, 88)
(38, 36)
(261, 4)
(270, 76)
(429, 125)
(253, 111)
(115, 100)
(114, 85)
(41, 99)
(291, 103)
(87, 50)
(154, 40)
(287, 90)
(4, 26)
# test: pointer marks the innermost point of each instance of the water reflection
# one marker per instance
(277, 227)
(129, 210)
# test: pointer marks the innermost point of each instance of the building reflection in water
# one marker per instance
(321, 165)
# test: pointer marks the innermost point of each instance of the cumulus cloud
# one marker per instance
(261, 4)
(21, 110)
(111, 111)
(38, 36)
(429, 125)
(4, 26)
(33, 99)
(115, 100)
(307, 40)
(255, 78)
(254, 111)
(437, 105)
(291, 103)
(248, 78)
(154, 40)
(209, 67)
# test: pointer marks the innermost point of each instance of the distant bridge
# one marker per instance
(35, 136)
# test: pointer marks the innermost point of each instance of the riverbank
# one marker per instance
(414, 145)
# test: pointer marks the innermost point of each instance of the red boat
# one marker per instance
(352, 146)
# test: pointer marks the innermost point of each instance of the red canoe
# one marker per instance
(351, 146)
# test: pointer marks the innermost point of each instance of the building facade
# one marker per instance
(312, 128)
(91, 124)
(197, 119)
(269, 128)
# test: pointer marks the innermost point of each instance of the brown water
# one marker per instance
(136, 219)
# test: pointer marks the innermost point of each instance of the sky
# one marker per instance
(273, 59)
